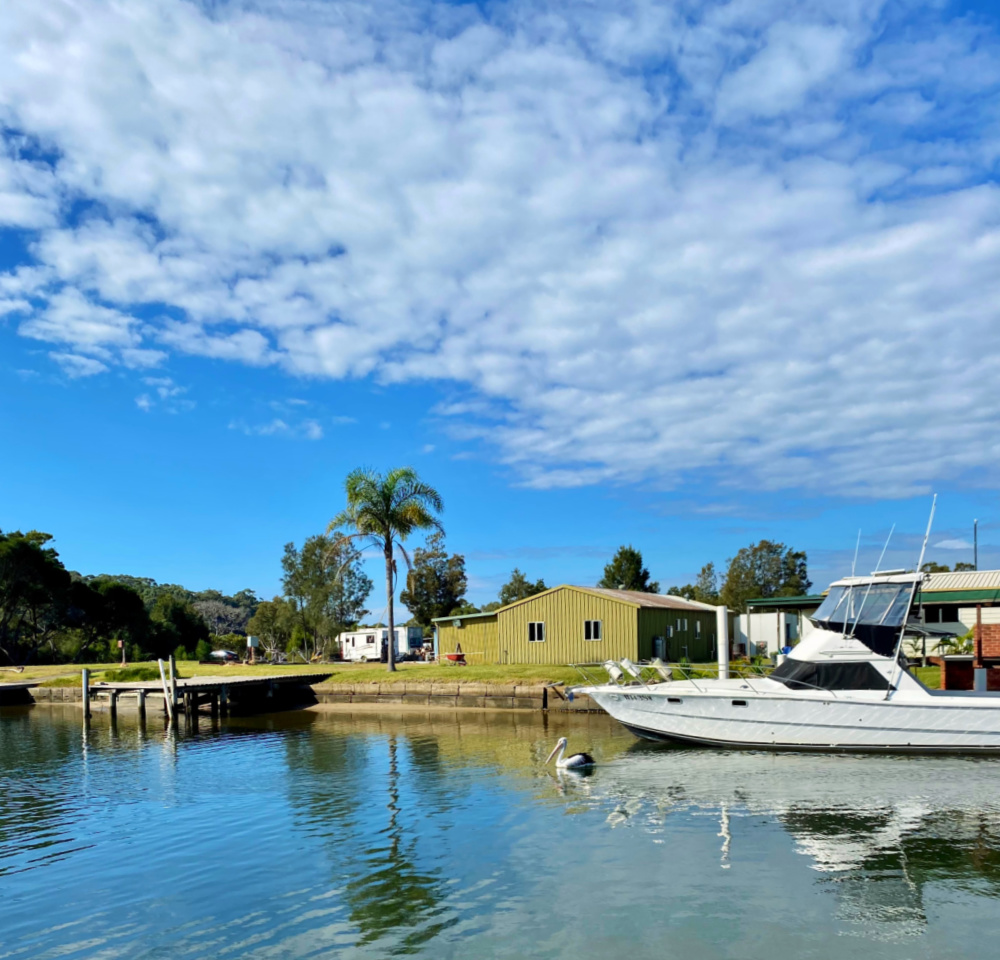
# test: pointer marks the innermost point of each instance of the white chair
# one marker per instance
(662, 669)
(631, 669)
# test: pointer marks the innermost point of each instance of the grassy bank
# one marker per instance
(69, 674)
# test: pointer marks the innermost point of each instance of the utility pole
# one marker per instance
(975, 544)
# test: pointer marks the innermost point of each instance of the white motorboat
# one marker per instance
(844, 687)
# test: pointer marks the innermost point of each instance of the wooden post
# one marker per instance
(167, 704)
(86, 694)
(142, 704)
(173, 681)
(114, 704)
(224, 700)
(215, 706)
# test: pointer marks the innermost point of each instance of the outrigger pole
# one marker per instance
(913, 593)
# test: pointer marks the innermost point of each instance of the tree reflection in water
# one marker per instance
(392, 893)
(389, 894)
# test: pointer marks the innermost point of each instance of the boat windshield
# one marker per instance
(866, 604)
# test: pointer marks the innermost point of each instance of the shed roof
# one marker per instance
(963, 580)
(635, 598)
(800, 602)
(465, 616)
(668, 600)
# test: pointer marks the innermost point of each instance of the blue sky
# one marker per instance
(676, 274)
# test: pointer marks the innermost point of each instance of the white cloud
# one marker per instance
(758, 242)
(169, 396)
(72, 320)
(164, 386)
(303, 430)
(957, 544)
(75, 366)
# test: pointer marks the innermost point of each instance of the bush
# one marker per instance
(181, 653)
(131, 675)
(203, 651)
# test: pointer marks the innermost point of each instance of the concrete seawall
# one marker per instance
(484, 696)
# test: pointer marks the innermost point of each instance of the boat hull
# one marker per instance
(737, 718)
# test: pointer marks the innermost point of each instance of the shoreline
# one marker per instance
(422, 696)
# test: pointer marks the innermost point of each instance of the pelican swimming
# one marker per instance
(576, 761)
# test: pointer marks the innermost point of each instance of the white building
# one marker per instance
(775, 623)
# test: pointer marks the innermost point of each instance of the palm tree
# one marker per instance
(384, 511)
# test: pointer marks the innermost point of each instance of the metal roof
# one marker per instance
(465, 616)
(636, 597)
(668, 600)
(963, 580)
(798, 602)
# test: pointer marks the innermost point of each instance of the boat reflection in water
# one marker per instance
(880, 830)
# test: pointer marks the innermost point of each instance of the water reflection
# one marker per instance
(880, 829)
(445, 835)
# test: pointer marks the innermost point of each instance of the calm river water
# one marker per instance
(442, 835)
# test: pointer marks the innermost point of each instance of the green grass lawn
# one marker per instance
(526, 674)
(68, 675)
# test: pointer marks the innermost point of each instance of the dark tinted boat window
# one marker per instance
(799, 675)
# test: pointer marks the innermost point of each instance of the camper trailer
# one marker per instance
(365, 645)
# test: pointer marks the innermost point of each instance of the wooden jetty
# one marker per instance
(191, 694)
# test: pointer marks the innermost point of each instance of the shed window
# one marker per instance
(670, 629)
(536, 632)
(697, 629)
(591, 629)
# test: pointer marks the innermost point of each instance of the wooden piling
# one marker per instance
(86, 693)
(141, 695)
(173, 682)
(114, 704)
(167, 704)
(224, 701)
(215, 706)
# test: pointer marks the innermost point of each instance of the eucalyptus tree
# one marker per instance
(383, 510)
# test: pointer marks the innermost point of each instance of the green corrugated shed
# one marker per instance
(630, 623)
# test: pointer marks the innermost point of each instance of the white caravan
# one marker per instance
(365, 645)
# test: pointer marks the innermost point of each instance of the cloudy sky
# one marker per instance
(681, 274)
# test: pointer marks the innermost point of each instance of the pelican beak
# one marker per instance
(555, 750)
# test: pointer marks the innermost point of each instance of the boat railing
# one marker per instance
(627, 673)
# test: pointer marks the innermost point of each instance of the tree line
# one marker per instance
(437, 582)
(51, 614)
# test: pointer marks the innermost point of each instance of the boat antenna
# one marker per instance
(857, 547)
(878, 565)
(930, 521)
